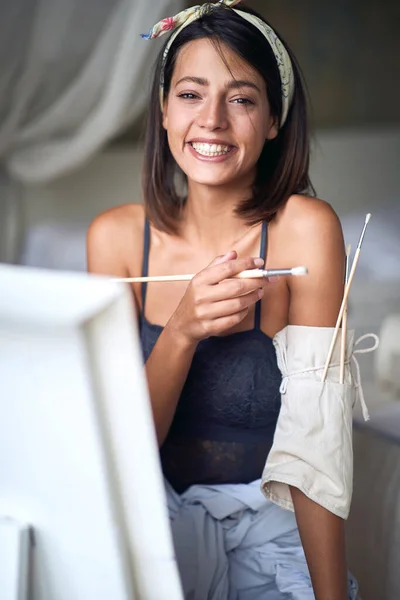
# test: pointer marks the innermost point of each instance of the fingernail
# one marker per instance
(260, 293)
(258, 262)
(273, 279)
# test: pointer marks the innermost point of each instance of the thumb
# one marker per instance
(231, 255)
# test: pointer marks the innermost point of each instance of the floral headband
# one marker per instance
(187, 16)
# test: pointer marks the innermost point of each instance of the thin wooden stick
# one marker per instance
(344, 320)
(345, 297)
(251, 274)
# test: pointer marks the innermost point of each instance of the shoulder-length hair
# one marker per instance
(283, 166)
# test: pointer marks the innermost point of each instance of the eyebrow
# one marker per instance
(232, 85)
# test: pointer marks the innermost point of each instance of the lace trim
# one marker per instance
(357, 377)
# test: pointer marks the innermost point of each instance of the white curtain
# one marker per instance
(72, 75)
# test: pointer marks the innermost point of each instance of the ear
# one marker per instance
(272, 129)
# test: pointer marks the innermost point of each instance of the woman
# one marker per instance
(232, 124)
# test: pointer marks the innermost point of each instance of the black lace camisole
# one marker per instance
(226, 416)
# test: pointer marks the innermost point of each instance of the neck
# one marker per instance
(210, 217)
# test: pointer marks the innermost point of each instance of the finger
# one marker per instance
(230, 306)
(231, 255)
(232, 288)
(223, 324)
(228, 269)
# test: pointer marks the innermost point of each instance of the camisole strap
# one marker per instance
(145, 262)
(263, 249)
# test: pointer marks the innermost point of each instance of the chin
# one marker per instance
(210, 180)
(212, 175)
(218, 174)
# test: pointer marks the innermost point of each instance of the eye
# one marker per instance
(242, 101)
(188, 96)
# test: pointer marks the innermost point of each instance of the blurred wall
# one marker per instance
(349, 53)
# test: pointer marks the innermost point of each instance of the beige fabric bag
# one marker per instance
(312, 448)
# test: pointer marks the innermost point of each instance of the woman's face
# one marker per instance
(217, 115)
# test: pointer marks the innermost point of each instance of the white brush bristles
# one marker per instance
(297, 271)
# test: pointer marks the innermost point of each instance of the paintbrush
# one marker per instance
(345, 296)
(344, 320)
(251, 274)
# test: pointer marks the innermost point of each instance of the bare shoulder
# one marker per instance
(309, 226)
(117, 221)
(310, 234)
(113, 237)
(305, 216)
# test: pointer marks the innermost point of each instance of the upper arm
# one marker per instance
(317, 242)
(104, 247)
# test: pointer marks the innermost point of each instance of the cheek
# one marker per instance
(253, 129)
(254, 138)
(176, 125)
(175, 143)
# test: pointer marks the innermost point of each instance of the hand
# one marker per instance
(215, 302)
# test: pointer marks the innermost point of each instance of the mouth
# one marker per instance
(211, 150)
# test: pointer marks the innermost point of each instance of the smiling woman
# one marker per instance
(223, 120)
(228, 114)
(270, 96)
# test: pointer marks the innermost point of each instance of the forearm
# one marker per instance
(323, 537)
(166, 369)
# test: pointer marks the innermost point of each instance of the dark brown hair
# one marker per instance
(284, 162)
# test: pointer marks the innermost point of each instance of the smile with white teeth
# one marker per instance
(211, 149)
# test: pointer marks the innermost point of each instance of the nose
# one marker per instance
(213, 115)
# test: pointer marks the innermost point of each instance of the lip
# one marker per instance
(212, 159)
(207, 141)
